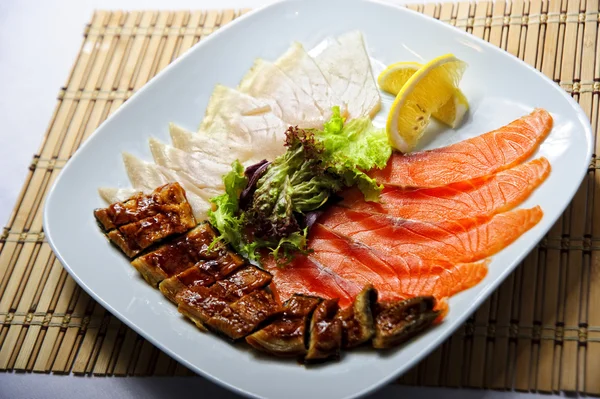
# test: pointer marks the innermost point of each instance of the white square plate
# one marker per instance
(499, 86)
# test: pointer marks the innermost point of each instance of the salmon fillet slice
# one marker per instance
(488, 195)
(476, 157)
(339, 267)
(307, 276)
(393, 277)
(455, 241)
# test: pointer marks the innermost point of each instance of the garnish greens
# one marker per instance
(316, 165)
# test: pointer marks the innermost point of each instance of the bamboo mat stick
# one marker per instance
(577, 212)
(592, 284)
(33, 198)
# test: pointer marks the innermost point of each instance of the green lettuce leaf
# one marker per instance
(225, 218)
(351, 149)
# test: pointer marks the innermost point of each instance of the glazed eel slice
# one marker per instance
(398, 321)
(185, 252)
(325, 334)
(234, 306)
(316, 329)
(144, 220)
(286, 336)
(357, 320)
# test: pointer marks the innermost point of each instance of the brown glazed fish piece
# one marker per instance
(357, 320)
(184, 252)
(144, 220)
(245, 315)
(325, 336)
(204, 274)
(234, 306)
(286, 336)
(240, 283)
(398, 321)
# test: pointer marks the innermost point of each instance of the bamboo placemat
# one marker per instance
(539, 332)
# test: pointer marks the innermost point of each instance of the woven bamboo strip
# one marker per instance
(116, 18)
(32, 199)
(31, 340)
(571, 64)
(25, 301)
(164, 365)
(592, 285)
(88, 116)
(125, 352)
(71, 336)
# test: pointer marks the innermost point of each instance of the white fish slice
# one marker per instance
(245, 121)
(203, 172)
(302, 69)
(347, 67)
(214, 147)
(225, 101)
(289, 102)
(145, 177)
(113, 194)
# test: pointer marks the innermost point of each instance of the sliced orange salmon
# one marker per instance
(305, 276)
(393, 277)
(476, 157)
(478, 197)
(339, 267)
(454, 241)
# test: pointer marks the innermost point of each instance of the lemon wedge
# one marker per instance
(427, 91)
(453, 112)
(396, 75)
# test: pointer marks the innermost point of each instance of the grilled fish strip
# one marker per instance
(325, 336)
(185, 252)
(234, 320)
(286, 336)
(143, 220)
(398, 321)
(232, 306)
(357, 320)
(245, 315)
(202, 274)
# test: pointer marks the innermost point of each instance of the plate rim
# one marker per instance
(460, 318)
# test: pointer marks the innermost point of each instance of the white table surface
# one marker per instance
(38, 43)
